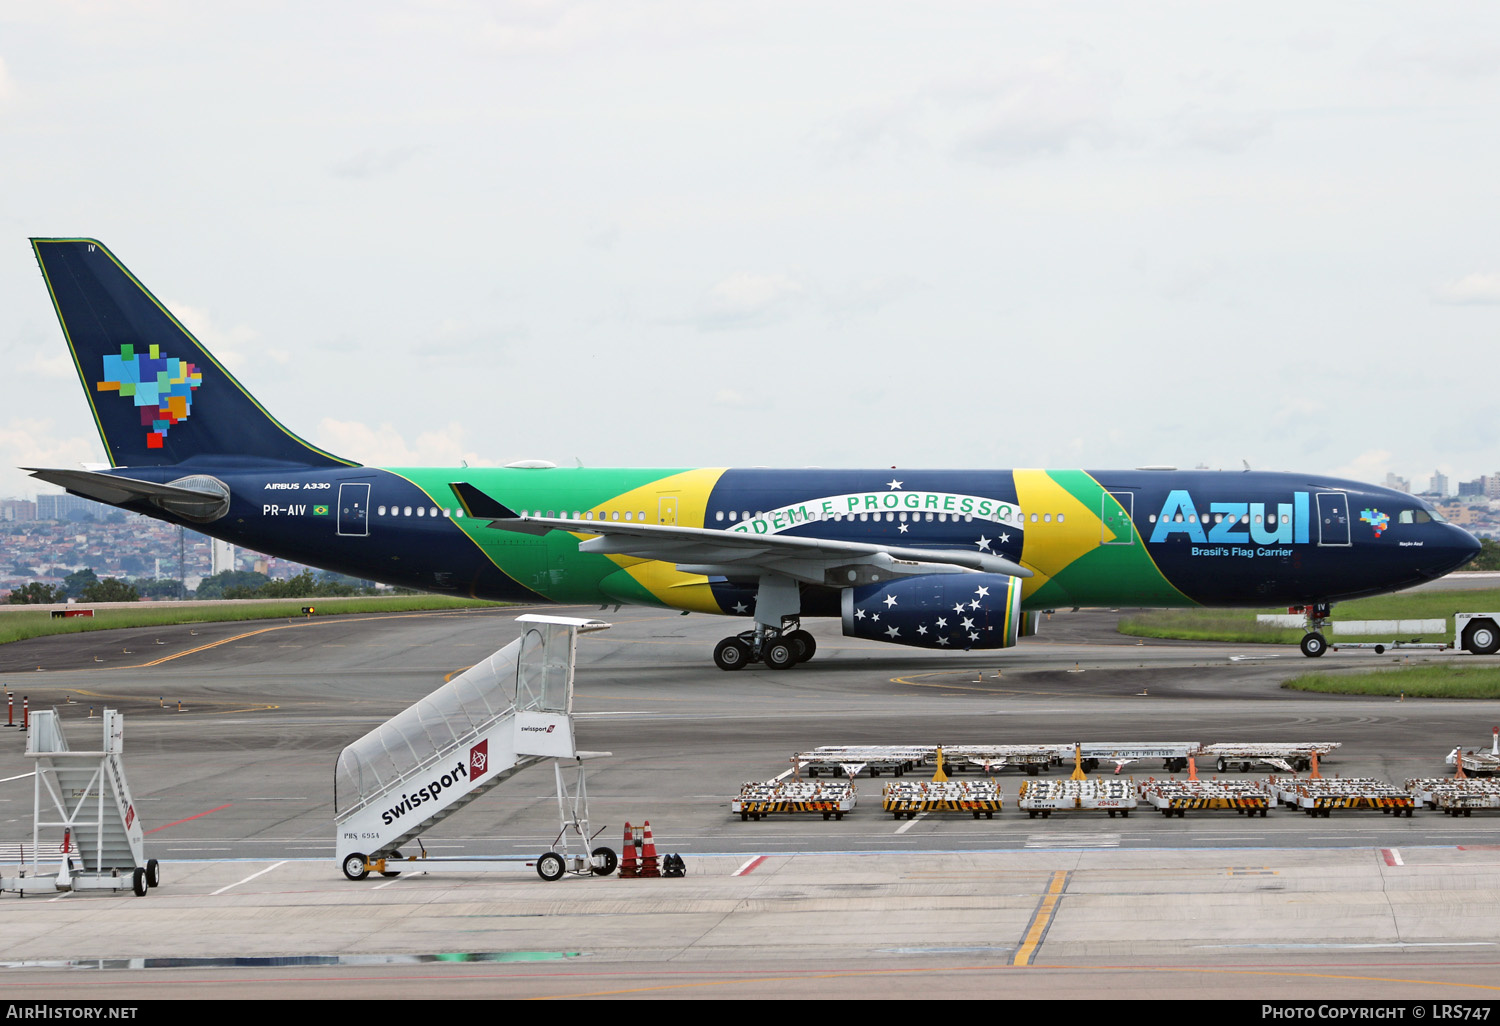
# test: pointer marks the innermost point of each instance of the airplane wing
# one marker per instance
(710, 552)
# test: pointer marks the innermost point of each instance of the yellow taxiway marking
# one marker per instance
(1041, 919)
(196, 707)
(910, 681)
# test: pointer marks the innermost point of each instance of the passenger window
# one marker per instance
(421, 511)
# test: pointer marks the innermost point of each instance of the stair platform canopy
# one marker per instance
(508, 712)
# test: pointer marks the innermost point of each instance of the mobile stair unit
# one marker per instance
(83, 806)
(490, 722)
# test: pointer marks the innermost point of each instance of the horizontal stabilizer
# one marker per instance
(114, 489)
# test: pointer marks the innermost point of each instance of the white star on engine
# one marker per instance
(982, 591)
(959, 609)
(973, 637)
(942, 641)
(921, 630)
(968, 624)
(875, 617)
(740, 607)
(893, 484)
(890, 600)
(892, 632)
(974, 604)
(983, 543)
(859, 614)
(942, 622)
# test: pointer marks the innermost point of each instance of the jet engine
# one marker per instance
(952, 611)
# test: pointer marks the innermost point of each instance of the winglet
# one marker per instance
(478, 505)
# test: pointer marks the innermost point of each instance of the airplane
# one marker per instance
(935, 559)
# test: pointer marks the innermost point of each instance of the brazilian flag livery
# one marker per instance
(929, 558)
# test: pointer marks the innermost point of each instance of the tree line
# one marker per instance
(87, 586)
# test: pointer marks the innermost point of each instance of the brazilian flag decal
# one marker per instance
(320, 511)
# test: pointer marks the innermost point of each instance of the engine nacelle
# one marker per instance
(953, 611)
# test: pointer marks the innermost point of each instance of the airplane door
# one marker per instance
(1116, 518)
(1333, 518)
(354, 510)
(666, 509)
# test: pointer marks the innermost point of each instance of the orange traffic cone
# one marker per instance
(1314, 774)
(1192, 768)
(628, 865)
(649, 864)
(1458, 763)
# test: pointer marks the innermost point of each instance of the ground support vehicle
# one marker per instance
(1478, 633)
(1175, 797)
(850, 760)
(1475, 762)
(1044, 797)
(1031, 759)
(1173, 754)
(1318, 797)
(512, 710)
(1290, 757)
(980, 797)
(1458, 797)
(82, 796)
(759, 799)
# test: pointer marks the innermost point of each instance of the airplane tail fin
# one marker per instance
(158, 396)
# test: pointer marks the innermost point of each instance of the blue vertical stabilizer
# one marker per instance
(159, 398)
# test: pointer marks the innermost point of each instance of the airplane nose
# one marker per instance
(1456, 551)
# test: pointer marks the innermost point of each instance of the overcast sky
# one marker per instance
(690, 233)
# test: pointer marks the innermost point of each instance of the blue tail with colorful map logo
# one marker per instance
(159, 397)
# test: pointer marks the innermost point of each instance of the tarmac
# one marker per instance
(232, 732)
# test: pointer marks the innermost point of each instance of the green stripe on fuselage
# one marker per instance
(551, 564)
(1107, 574)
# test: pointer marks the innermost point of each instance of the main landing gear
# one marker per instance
(779, 650)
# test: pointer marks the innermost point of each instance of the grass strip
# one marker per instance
(1411, 681)
(1239, 625)
(17, 625)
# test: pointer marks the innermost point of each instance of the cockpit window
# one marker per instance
(1417, 516)
(1439, 517)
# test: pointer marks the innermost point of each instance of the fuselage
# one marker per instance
(1129, 537)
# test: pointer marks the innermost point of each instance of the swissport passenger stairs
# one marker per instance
(509, 712)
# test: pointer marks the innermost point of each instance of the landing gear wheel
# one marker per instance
(153, 873)
(804, 643)
(779, 654)
(1482, 638)
(138, 881)
(1314, 645)
(394, 856)
(608, 861)
(354, 866)
(550, 866)
(731, 654)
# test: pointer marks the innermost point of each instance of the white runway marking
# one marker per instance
(903, 828)
(252, 876)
